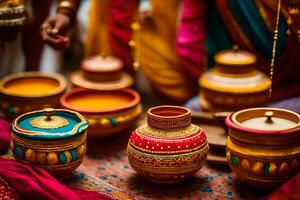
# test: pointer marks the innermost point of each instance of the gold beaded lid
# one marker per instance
(235, 56)
(49, 124)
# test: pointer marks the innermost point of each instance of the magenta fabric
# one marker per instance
(4, 135)
(190, 38)
(32, 182)
(289, 190)
(120, 33)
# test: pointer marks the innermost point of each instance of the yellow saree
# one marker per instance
(155, 45)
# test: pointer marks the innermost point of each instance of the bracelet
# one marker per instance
(67, 8)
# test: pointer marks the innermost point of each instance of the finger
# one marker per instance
(53, 42)
(61, 24)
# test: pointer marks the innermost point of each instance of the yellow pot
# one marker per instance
(234, 83)
(28, 91)
(263, 145)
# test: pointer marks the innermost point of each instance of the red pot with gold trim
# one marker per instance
(168, 148)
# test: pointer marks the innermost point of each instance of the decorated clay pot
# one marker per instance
(263, 145)
(28, 91)
(168, 148)
(108, 112)
(54, 139)
(234, 83)
(101, 73)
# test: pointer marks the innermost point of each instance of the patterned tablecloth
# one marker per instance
(106, 169)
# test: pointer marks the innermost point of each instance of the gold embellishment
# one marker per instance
(68, 156)
(258, 168)
(284, 168)
(274, 47)
(147, 130)
(245, 164)
(66, 4)
(43, 122)
(273, 169)
(202, 148)
(52, 158)
(51, 146)
(30, 156)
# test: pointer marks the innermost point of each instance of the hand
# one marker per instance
(55, 31)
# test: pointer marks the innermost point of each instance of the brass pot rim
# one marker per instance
(251, 58)
(62, 84)
(232, 122)
(136, 99)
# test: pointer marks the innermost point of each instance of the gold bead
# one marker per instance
(41, 157)
(283, 168)
(289, 21)
(245, 164)
(288, 32)
(52, 158)
(257, 168)
(92, 122)
(68, 156)
(132, 43)
(105, 122)
(135, 26)
(273, 169)
(30, 156)
(136, 65)
(81, 151)
(121, 119)
(228, 156)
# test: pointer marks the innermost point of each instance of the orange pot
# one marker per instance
(28, 91)
(108, 112)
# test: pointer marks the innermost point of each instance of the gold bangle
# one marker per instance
(66, 4)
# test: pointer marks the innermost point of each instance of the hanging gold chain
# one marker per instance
(274, 47)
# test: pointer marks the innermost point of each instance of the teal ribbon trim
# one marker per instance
(251, 22)
(217, 36)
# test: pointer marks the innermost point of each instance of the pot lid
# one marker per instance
(235, 56)
(266, 119)
(102, 64)
(49, 124)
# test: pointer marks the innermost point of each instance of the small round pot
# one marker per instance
(263, 145)
(102, 69)
(29, 91)
(54, 139)
(101, 73)
(234, 83)
(108, 112)
(168, 148)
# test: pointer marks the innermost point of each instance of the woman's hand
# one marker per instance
(55, 31)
